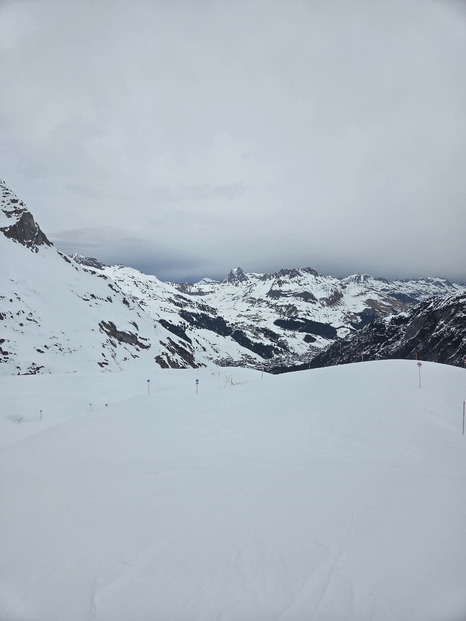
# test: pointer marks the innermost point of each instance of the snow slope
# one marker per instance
(57, 316)
(333, 494)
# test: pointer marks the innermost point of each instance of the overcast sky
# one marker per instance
(187, 137)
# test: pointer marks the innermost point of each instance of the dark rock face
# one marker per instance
(27, 232)
(121, 336)
(175, 329)
(434, 330)
(23, 227)
(166, 362)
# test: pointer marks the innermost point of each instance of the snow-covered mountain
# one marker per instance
(71, 313)
(276, 319)
(57, 316)
(434, 330)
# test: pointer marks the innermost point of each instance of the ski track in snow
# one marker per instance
(328, 495)
(317, 586)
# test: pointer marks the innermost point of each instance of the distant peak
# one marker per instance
(87, 261)
(295, 272)
(358, 278)
(236, 275)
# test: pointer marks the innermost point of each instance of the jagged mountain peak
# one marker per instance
(236, 275)
(296, 272)
(359, 279)
(17, 222)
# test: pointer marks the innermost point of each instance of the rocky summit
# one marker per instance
(17, 223)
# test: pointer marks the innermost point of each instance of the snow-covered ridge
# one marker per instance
(433, 330)
(281, 318)
(58, 316)
(297, 279)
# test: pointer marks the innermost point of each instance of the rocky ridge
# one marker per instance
(434, 330)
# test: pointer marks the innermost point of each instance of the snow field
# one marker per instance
(330, 494)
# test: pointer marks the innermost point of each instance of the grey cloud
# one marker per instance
(255, 133)
(197, 192)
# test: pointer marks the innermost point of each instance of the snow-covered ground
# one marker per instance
(334, 494)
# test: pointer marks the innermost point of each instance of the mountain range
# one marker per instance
(433, 330)
(61, 313)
